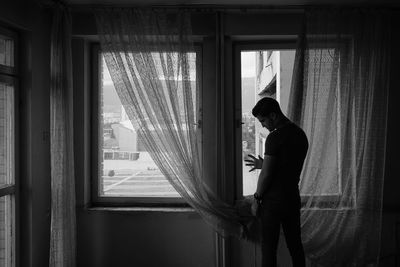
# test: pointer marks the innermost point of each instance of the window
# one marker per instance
(124, 171)
(266, 70)
(8, 176)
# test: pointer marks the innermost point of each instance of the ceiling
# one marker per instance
(278, 3)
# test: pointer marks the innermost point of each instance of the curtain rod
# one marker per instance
(196, 7)
(242, 8)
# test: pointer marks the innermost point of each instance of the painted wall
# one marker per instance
(39, 134)
(390, 251)
(18, 13)
(147, 238)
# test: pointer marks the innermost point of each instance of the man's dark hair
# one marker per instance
(266, 106)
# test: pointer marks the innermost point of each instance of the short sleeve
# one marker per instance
(272, 144)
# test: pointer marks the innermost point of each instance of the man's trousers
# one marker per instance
(273, 216)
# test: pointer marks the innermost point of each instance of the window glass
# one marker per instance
(6, 134)
(249, 97)
(126, 168)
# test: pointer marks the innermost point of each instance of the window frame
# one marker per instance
(10, 75)
(283, 44)
(123, 201)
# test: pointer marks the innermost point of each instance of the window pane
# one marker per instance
(126, 167)
(7, 231)
(249, 97)
(6, 51)
(6, 134)
(264, 73)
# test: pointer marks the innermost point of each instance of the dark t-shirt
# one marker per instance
(289, 145)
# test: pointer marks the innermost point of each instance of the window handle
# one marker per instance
(239, 123)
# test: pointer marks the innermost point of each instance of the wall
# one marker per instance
(38, 119)
(147, 238)
(17, 14)
(390, 251)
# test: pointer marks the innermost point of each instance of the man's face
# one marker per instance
(266, 121)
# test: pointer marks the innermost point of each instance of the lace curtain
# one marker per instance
(152, 63)
(339, 97)
(63, 228)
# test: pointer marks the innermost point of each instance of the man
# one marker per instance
(277, 199)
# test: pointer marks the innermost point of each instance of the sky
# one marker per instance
(248, 64)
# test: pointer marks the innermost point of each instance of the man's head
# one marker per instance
(268, 112)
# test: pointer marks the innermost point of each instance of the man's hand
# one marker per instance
(255, 163)
(255, 208)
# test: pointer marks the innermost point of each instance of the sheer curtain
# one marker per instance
(63, 232)
(152, 63)
(339, 97)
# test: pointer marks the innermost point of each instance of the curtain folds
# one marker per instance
(339, 97)
(152, 62)
(63, 225)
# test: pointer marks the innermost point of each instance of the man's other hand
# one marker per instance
(255, 163)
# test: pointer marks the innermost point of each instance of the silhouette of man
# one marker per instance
(277, 199)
